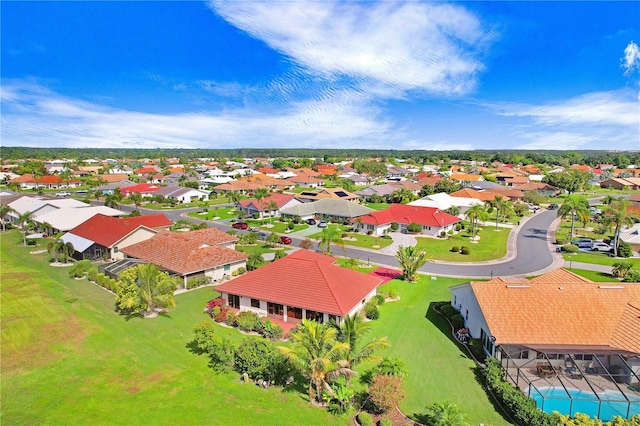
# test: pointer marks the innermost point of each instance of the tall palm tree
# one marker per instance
(501, 205)
(154, 289)
(5, 209)
(617, 216)
(476, 213)
(25, 223)
(403, 196)
(316, 354)
(411, 259)
(260, 195)
(351, 331)
(271, 206)
(575, 205)
(111, 200)
(330, 235)
(136, 199)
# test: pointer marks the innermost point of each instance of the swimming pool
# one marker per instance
(611, 403)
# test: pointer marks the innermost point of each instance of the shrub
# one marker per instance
(392, 367)
(414, 227)
(231, 319)
(476, 348)
(455, 249)
(457, 321)
(92, 274)
(100, 279)
(390, 294)
(247, 321)
(291, 226)
(458, 226)
(198, 282)
(365, 419)
(632, 276)
(443, 234)
(570, 248)
(465, 250)
(371, 310)
(306, 244)
(370, 232)
(624, 249)
(561, 241)
(221, 315)
(379, 298)
(394, 226)
(448, 310)
(385, 422)
(385, 392)
(271, 331)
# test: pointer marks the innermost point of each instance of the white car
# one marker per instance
(600, 246)
(62, 194)
(533, 207)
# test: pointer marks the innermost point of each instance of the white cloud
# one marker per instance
(399, 46)
(631, 60)
(34, 116)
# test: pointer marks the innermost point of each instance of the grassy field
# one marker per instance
(67, 358)
(599, 258)
(492, 245)
(593, 275)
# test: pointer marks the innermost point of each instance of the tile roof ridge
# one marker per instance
(327, 281)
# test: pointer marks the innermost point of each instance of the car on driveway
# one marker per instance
(240, 225)
(533, 207)
(285, 240)
(62, 194)
(553, 206)
(583, 243)
(600, 246)
(310, 221)
(254, 229)
(322, 224)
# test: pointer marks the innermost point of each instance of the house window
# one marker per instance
(314, 315)
(294, 312)
(583, 357)
(333, 318)
(227, 267)
(255, 303)
(115, 249)
(275, 309)
(234, 301)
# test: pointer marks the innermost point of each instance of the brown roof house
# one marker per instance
(196, 254)
(559, 337)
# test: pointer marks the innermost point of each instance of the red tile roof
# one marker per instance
(107, 230)
(305, 279)
(141, 188)
(280, 200)
(561, 309)
(187, 252)
(403, 213)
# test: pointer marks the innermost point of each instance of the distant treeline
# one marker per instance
(564, 158)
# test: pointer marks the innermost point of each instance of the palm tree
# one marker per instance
(55, 248)
(5, 209)
(501, 207)
(260, 195)
(402, 195)
(411, 259)
(46, 228)
(617, 216)
(574, 205)
(351, 331)
(154, 289)
(111, 200)
(446, 414)
(254, 261)
(329, 236)
(271, 206)
(453, 210)
(136, 199)
(316, 354)
(25, 223)
(65, 175)
(476, 213)
(233, 196)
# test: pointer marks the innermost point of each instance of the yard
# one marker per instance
(492, 245)
(599, 258)
(71, 360)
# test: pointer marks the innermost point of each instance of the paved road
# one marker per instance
(530, 251)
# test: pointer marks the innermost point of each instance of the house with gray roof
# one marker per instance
(326, 209)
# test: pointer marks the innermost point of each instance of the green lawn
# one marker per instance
(593, 275)
(67, 358)
(492, 245)
(259, 248)
(377, 206)
(439, 369)
(599, 259)
(221, 213)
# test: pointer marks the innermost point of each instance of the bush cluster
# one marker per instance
(104, 281)
(198, 282)
(570, 248)
(453, 315)
(465, 250)
(365, 419)
(371, 310)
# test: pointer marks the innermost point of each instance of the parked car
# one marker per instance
(553, 206)
(533, 207)
(600, 246)
(254, 229)
(240, 225)
(262, 235)
(584, 243)
(322, 224)
(285, 240)
(310, 221)
(594, 211)
(62, 194)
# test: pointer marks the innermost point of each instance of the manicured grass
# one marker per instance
(275, 225)
(594, 275)
(221, 213)
(492, 245)
(67, 358)
(377, 206)
(599, 258)
(259, 248)
(439, 368)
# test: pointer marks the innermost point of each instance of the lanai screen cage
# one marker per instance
(601, 384)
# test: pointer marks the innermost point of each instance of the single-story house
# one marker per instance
(444, 201)
(385, 190)
(331, 193)
(102, 237)
(29, 181)
(306, 181)
(196, 254)
(282, 201)
(432, 220)
(621, 183)
(541, 188)
(304, 284)
(183, 194)
(326, 209)
(111, 187)
(144, 189)
(560, 331)
(632, 236)
(66, 218)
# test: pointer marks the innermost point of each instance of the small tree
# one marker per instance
(306, 244)
(446, 414)
(254, 261)
(386, 392)
(620, 269)
(411, 259)
(273, 239)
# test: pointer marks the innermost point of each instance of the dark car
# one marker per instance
(285, 240)
(240, 225)
(553, 206)
(311, 221)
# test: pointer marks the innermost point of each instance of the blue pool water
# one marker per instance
(611, 403)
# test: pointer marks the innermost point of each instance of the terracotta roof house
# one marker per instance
(428, 180)
(304, 284)
(558, 336)
(249, 184)
(635, 199)
(326, 170)
(102, 237)
(541, 188)
(144, 189)
(327, 209)
(306, 181)
(465, 177)
(205, 252)
(282, 201)
(621, 183)
(515, 180)
(112, 177)
(332, 193)
(385, 190)
(433, 220)
(472, 193)
(28, 181)
(146, 170)
(183, 194)
(514, 195)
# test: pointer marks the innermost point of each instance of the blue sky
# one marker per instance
(358, 74)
